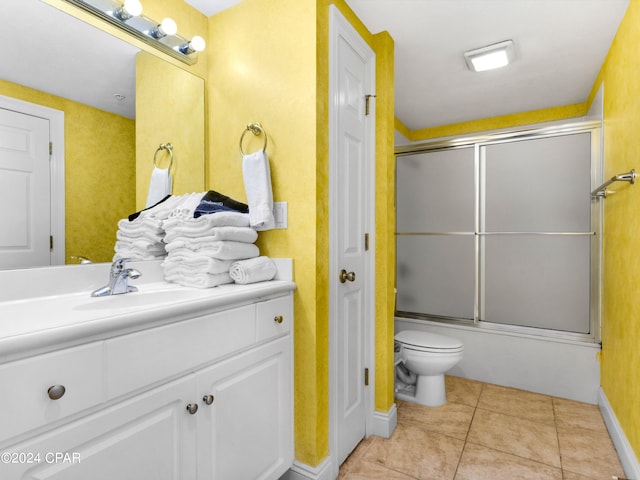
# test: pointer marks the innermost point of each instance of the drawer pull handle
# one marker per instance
(208, 399)
(278, 319)
(56, 392)
(192, 408)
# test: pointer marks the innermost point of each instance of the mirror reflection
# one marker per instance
(53, 60)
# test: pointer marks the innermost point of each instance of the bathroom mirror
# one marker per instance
(53, 59)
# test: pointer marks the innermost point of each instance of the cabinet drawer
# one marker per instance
(274, 318)
(25, 402)
(144, 358)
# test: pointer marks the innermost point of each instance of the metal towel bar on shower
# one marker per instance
(601, 191)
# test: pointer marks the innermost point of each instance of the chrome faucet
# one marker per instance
(118, 280)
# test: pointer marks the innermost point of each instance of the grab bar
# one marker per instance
(601, 191)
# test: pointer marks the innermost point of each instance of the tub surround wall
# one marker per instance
(558, 368)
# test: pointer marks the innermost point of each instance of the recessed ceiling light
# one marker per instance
(490, 57)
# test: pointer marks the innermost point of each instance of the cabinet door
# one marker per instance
(247, 430)
(151, 436)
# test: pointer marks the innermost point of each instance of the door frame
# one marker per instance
(56, 163)
(339, 27)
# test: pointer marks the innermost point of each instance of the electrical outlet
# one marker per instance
(280, 213)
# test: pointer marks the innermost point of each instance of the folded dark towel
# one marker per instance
(133, 216)
(214, 202)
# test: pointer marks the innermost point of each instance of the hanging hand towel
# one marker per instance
(257, 269)
(159, 186)
(257, 185)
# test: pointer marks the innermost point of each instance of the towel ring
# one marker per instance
(257, 130)
(164, 146)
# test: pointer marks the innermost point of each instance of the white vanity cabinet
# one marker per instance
(207, 398)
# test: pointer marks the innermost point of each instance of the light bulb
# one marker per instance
(133, 7)
(168, 26)
(197, 43)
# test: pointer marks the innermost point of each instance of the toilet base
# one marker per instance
(429, 391)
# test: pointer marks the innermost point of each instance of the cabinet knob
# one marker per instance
(208, 399)
(278, 319)
(56, 392)
(192, 408)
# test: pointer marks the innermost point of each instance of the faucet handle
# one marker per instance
(118, 265)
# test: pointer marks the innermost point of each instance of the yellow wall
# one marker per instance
(268, 62)
(620, 364)
(169, 109)
(99, 178)
(494, 123)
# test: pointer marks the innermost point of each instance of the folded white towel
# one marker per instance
(140, 225)
(127, 236)
(257, 269)
(198, 280)
(257, 185)
(196, 263)
(135, 254)
(159, 186)
(227, 250)
(141, 246)
(164, 209)
(204, 223)
(187, 206)
(237, 234)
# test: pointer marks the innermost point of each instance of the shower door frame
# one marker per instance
(477, 142)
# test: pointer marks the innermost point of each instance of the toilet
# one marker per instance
(422, 358)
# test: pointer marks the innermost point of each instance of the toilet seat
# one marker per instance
(428, 342)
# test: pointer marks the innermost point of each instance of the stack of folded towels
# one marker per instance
(205, 238)
(141, 235)
(201, 250)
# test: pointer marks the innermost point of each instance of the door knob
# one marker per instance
(192, 408)
(208, 399)
(344, 276)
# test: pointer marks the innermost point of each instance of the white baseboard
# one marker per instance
(301, 471)
(384, 423)
(626, 454)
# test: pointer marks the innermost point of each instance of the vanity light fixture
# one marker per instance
(196, 44)
(166, 27)
(490, 57)
(128, 16)
(130, 9)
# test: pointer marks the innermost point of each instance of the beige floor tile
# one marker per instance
(518, 403)
(356, 454)
(461, 390)
(575, 476)
(480, 463)
(588, 453)
(414, 451)
(518, 436)
(571, 414)
(451, 419)
(362, 470)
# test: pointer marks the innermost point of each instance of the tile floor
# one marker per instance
(489, 432)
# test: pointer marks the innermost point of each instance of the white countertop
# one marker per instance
(37, 324)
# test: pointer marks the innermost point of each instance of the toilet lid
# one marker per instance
(428, 340)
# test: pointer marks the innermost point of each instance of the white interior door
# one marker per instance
(25, 215)
(351, 207)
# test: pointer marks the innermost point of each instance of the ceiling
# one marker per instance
(46, 49)
(560, 47)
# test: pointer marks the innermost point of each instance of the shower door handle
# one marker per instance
(344, 276)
